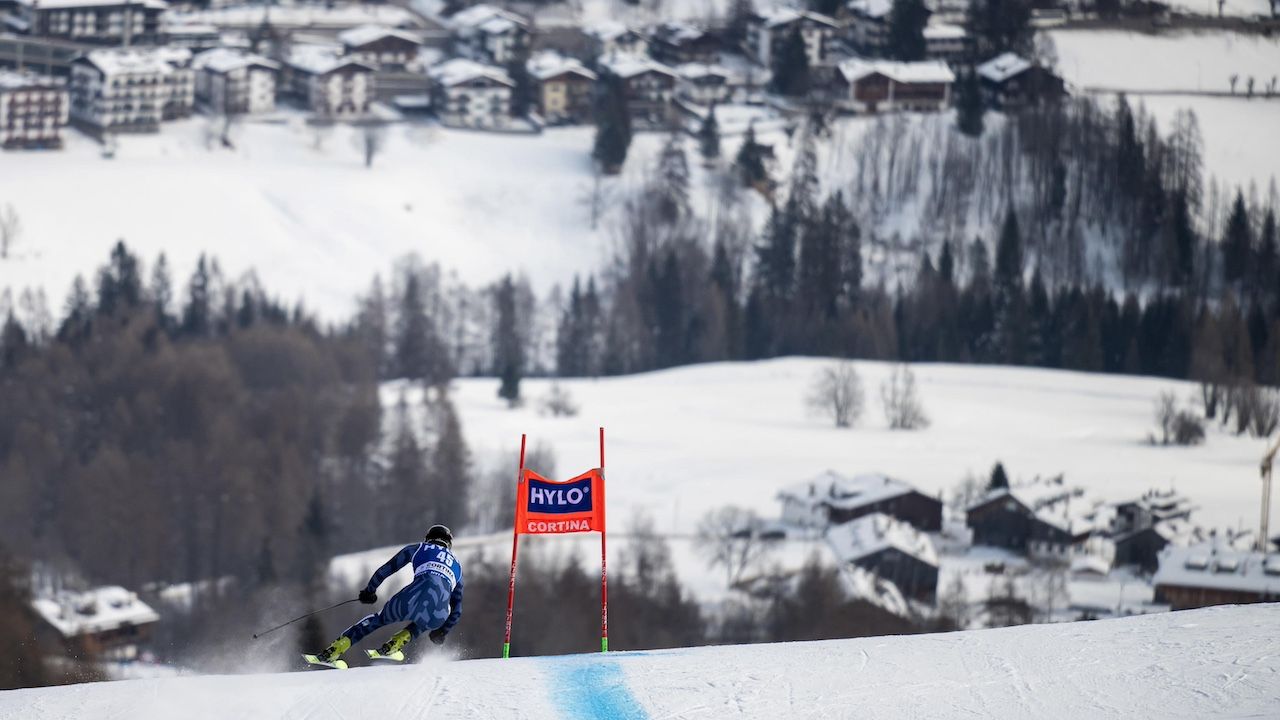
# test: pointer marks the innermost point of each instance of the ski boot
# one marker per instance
(332, 656)
(392, 649)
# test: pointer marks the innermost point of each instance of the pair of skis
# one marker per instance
(340, 664)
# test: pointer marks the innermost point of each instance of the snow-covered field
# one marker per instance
(1214, 663)
(681, 442)
(1183, 61)
(1241, 145)
(297, 206)
(1230, 8)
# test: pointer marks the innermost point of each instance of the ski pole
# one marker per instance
(302, 617)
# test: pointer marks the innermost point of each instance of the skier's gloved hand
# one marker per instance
(437, 635)
(368, 597)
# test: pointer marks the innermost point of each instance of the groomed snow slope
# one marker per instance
(1214, 663)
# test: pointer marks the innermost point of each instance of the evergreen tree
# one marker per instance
(508, 348)
(77, 321)
(22, 664)
(907, 19)
(750, 160)
(1009, 260)
(1182, 254)
(998, 26)
(740, 14)
(776, 258)
(673, 180)
(709, 137)
(13, 342)
(523, 94)
(613, 125)
(419, 353)
(947, 264)
(197, 314)
(1237, 244)
(1268, 264)
(970, 105)
(999, 480)
(161, 291)
(1010, 300)
(791, 67)
(451, 471)
(408, 493)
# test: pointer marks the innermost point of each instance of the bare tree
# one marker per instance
(1050, 589)
(902, 406)
(1166, 411)
(953, 603)
(10, 230)
(730, 537)
(558, 402)
(373, 138)
(597, 197)
(836, 392)
(968, 490)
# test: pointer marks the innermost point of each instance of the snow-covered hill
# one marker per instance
(1215, 663)
(683, 441)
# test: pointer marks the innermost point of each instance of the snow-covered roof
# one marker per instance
(778, 17)
(319, 59)
(1003, 67)
(366, 34)
(115, 61)
(68, 4)
(460, 70)
(1215, 565)
(871, 8)
(628, 66)
(678, 32)
(700, 71)
(832, 489)
(1164, 504)
(873, 533)
(549, 63)
(943, 31)
(94, 611)
(609, 30)
(487, 19)
(15, 80)
(224, 60)
(1056, 503)
(928, 71)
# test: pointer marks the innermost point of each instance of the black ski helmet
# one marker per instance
(440, 535)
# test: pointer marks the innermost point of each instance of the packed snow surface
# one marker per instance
(1182, 61)
(684, 441)
(1214, 663)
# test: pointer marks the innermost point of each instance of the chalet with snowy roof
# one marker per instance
(131, 90)
(650, 88)
(1010, 81)
(235, 82)
(704, 84)
(380, 47)
(1142, 528)
(676, 43)
(33, 110)
(1213, 573)
(564, 88)
(867, 28)
(1042, 517)
(325, 82)
(871, 86)
(95, 22)
(487, 33)
(946, 42)
(465, 93)
(614, 38)
(892, 549)
(109, 623)
(768, 33)
(833, 499)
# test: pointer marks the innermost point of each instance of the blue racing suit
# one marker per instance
(432, 601)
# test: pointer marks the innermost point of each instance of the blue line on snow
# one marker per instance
(593, 688)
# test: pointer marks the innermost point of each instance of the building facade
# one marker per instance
(235, 82)
(565, 88)
(767, 34)
(328, 84)
(33, 111)
(98, 22)
(871, 86)
(465, 93)
(833, 499)
(485, 33)
(649, 87)
(381, 48)
(130, 89)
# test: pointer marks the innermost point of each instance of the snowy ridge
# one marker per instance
(1219, 662)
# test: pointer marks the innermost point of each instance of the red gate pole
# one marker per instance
(515, 545)
(604, 574)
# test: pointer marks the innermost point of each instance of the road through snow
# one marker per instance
(1219, 662)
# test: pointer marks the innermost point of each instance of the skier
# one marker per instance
(433, 601)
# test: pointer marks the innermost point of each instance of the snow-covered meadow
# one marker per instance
(1218, 662)
(684, 441)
